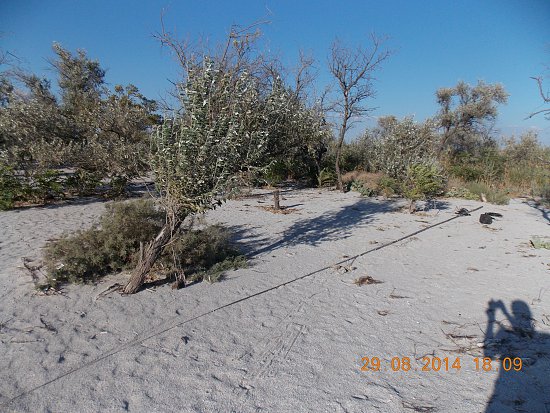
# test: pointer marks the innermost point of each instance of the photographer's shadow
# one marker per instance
(524, 388)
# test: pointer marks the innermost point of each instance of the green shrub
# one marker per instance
(493, 196)
(107, 247)
(542, 190)
(83, 183)
(276, 173)
(389, 186)
(46, 185)
(460, 192)
(363, 189)
(10, 187)
(423, 181)
(326, 177)
(31, 189)
(114, 244)
(467, 173)
(203, 254)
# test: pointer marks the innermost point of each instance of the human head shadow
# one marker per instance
(329, 226)
(520, 386)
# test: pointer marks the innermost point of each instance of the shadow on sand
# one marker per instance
(539, 207)
(525, 387)
(330, 226)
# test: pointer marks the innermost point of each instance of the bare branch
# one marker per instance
(546, 97)
(353, 71)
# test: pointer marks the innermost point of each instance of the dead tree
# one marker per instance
(353, 71)
(545, 98)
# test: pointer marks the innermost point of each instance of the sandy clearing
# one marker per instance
(299, 347)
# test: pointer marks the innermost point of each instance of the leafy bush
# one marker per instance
(203, 254)
(114, 244)
(542, 190)
(326, 177)
(275, 173)
(363, 189)
(10, 187)
(492, 195)
(401, 143)
(487, 166)
(83, 183)
(31, 189)
(46, 185)
(110, 246)
(423, 181)
(461, 192)
(389, 186)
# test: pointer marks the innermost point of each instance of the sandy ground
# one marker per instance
(300, 347)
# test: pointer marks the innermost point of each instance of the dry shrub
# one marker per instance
(368, 179)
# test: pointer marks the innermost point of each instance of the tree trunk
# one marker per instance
(276, 199)
(339, 183)
(412, 206)
(342, 134)
(152, 252)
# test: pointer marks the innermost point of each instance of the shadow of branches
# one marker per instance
(329, 226)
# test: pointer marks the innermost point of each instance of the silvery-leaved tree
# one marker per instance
(220, 131)
(467, 115)
(399, 144)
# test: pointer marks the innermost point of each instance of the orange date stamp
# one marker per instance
(444, 364)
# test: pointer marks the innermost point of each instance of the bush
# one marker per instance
(32, 189)
(276, 173)
(83, 183)
(461, 192)
(203, 254)
(389, 186)
(110, 246)
(326, 178)
(10, 187)
(401, 143)
(423, 181)
(493, 196)
(46, 185)
(488, 166)
(542, 190)
(114, 244)
(363, 189)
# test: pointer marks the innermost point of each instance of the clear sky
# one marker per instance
(436, 42)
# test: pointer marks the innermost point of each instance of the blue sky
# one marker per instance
(436, 43)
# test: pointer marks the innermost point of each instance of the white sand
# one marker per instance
(297, 348)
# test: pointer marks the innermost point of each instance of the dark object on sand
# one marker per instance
(487, 218)
(463, 211)
(366, 280)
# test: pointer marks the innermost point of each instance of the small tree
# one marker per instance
(353, 71)
(221, 131)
